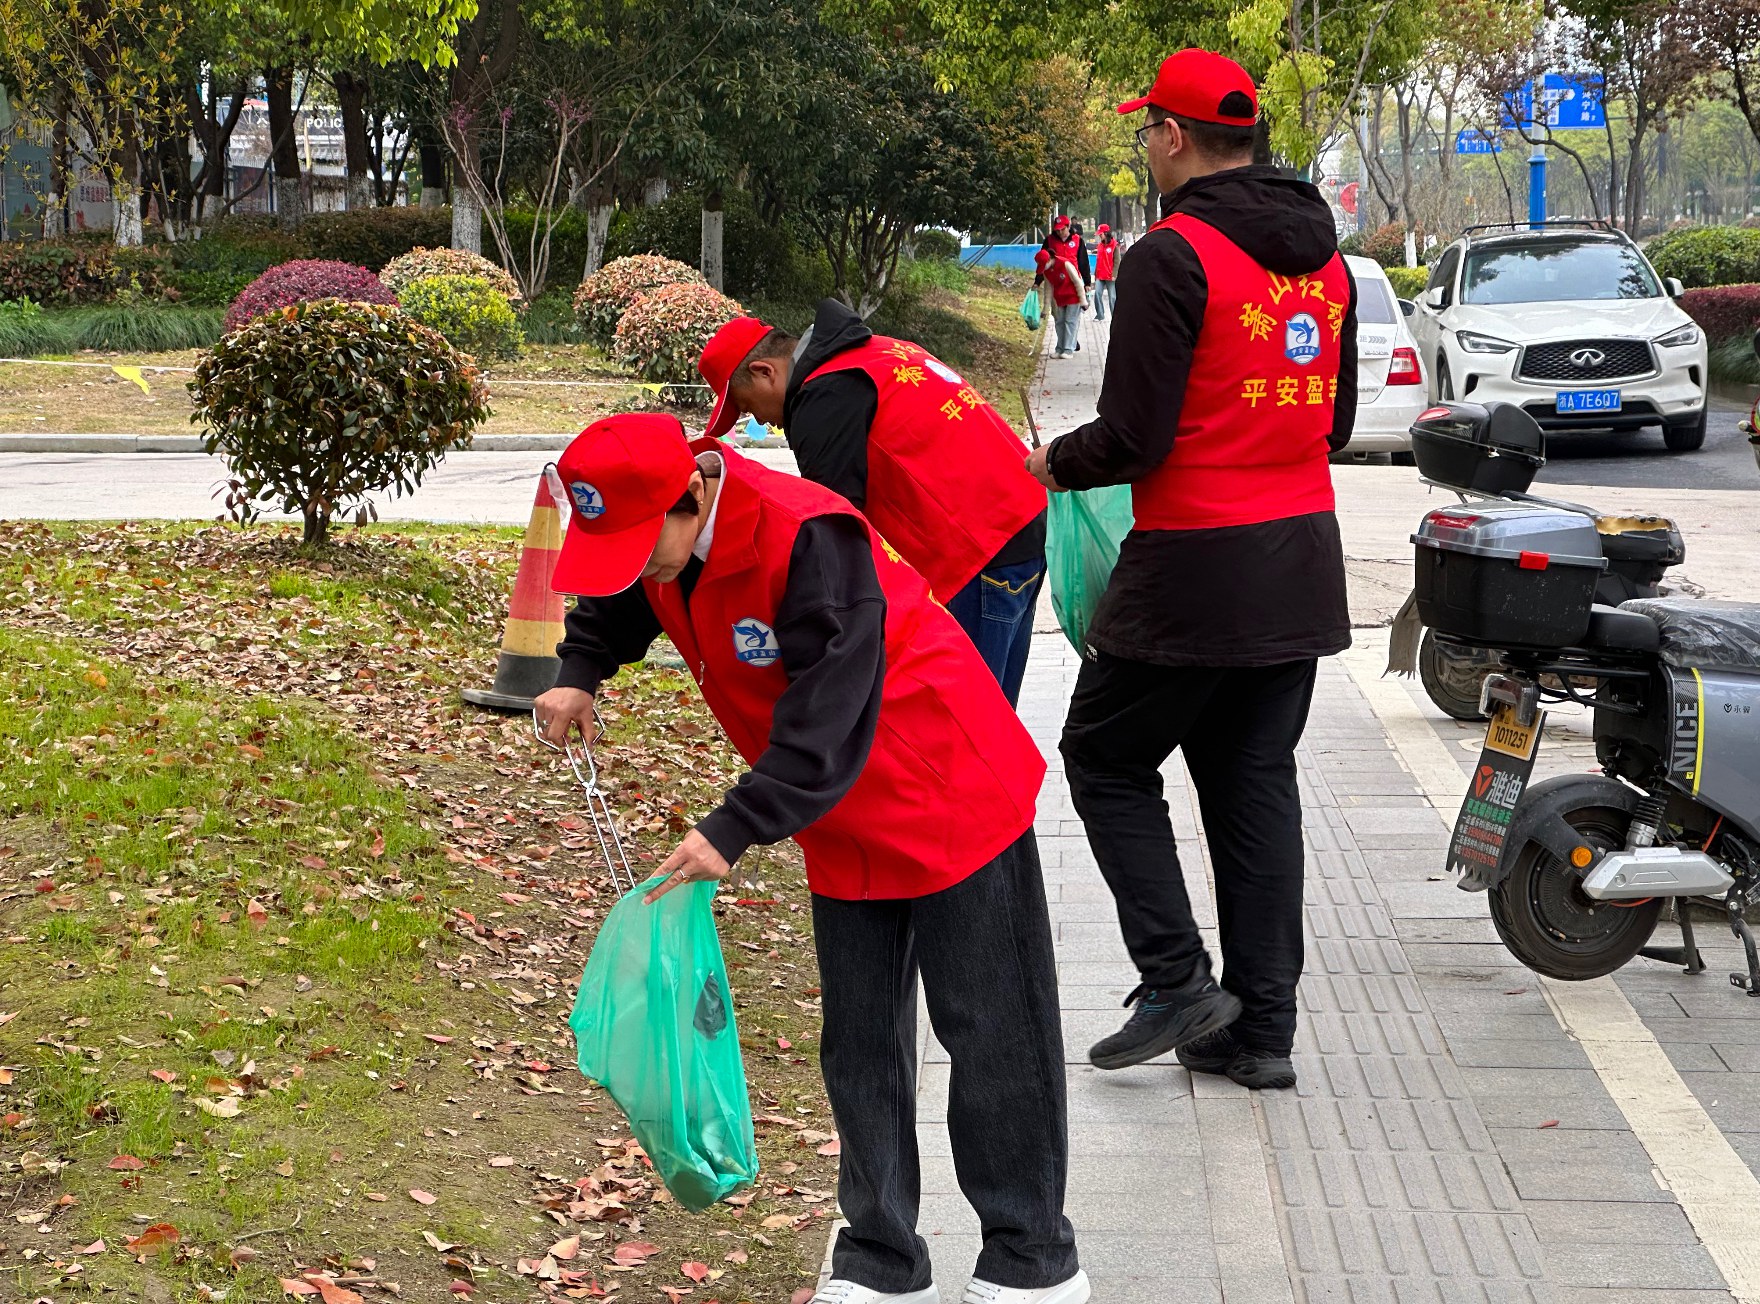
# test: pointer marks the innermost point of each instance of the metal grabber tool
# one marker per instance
(598, 808)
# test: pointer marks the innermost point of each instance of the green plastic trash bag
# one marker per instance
(1083, 532)
(653, 1024)
(1031, 313)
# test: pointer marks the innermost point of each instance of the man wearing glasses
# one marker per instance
(1232, 374)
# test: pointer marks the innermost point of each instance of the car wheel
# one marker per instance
(1686, 436)
(1444, 382)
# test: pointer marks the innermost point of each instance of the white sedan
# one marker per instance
(1390, 379)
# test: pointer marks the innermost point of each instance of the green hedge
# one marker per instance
(1408, 282)
(1708, 255)
(372, 237)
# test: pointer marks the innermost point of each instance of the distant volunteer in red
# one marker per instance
(911, 443)
(878, 741)
(1105, 272)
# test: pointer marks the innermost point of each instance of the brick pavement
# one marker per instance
(1449, 1142)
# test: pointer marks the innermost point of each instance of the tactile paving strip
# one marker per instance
(1388, 1187)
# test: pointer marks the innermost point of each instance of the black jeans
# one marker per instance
(1239, 727)
(983, 948)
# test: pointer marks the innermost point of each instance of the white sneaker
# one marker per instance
(1074, 1291)
(838, 1291)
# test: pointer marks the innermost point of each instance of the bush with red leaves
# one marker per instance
(302, 281)
(1724, 311)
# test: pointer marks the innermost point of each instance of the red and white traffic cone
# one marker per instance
(528, 663)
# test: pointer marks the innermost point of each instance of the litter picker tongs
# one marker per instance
(598, 808)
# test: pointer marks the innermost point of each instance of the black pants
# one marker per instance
(983, 948)
(1239, 727)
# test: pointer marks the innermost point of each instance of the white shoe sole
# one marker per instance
(929, 1295)
(1074, 1291)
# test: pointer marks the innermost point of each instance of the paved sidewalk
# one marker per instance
(1451, 1142)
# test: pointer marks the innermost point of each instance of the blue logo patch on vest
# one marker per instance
(587, 500)
(944, 371)
(754, 642)
(1301, 339)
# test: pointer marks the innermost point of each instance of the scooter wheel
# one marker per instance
(1452, 679)
(1551, 925)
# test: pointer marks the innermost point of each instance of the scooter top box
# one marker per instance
(1508, 574)
(1492, 448)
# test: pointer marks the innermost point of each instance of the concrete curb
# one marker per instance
(31, 443)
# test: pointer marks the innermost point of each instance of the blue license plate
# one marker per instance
(1588, 400)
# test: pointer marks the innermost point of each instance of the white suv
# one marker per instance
(1570, 322)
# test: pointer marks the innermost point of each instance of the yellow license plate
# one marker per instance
(1509, 736)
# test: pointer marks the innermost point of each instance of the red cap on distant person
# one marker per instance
(617, 480)
(1103, 229)
(726, 349)
(1061, 220)
(1202, 85)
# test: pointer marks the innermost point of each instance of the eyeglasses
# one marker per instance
(1142, 133)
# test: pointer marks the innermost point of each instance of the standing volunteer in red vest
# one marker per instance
(907, 440)
(1105, 272)
(878, 741)
(1231, 376)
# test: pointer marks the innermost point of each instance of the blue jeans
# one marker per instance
(1069, 324)
(1105, 295)
(996, 610)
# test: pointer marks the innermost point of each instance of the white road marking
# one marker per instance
(1693, 1158)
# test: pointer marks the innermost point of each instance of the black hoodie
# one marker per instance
(827, 422)
(1241, 595)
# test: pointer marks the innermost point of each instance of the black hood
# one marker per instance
(1279, 222)
(835, 329)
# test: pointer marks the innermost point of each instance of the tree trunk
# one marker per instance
(431, 159)
(284, 148)
(357, 154)
(710, 263)
(125, 198)
(55, 207)
(654, 191)
(467, 220)
(598, 227)
(317, 528)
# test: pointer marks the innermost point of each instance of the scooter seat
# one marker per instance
(1619, 629)
(1721, 635)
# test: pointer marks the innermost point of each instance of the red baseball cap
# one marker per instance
(1103, 229)
(726, 349)
(1061, 220)
(1197, 84)
(616, 481)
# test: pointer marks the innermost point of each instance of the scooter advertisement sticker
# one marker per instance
(1498, 782)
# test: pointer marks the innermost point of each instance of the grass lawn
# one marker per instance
(977, 329)
(289, 937)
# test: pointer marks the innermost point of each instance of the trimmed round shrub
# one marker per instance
(1387, 244)
(662, 335)
(372, 237)
(1707, 255)
(1408, 282)
(934, 243)
(318, 404)
(302, 281)
(603, 298)
(468, 311)
(1724, 311)
(420, 263)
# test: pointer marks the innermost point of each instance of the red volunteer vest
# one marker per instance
(947, 477)
(953, 775)
(1105, 260)
(1251, 441)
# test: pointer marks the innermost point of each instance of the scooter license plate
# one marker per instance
(1588, 400)
(1497, 784)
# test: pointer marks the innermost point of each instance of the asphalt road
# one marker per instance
(1638, 458)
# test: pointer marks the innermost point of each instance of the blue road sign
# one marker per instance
(1565, 104)
(1474, 141)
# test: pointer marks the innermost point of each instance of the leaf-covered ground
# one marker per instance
(289, 937)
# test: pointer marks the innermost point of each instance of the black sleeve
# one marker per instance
(1155, 328)
(1083, 263)
(831, 628)
(1344, 408)
(601, 634)
(828, 426)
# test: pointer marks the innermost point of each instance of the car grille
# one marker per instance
(1575, 360)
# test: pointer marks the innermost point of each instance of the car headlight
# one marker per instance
(1678, 339)
(1473, 342)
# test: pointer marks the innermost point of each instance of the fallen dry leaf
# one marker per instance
(294, 1286)
(256, 913)
(776, 1220)
(632, 1254)
(697, 1272)
(566, 1249)
(158, 1237)
(126, 1163)
(802, 1296)
(163, 1075)
(332, 1293)
(421, 1197)
(737, 1256)
(1551, 1122)
(96, 1247)
(502, 1161)
(438, 1038)
(437, 1243)
(242, 1254)
(225, 1107)
(831, 1147)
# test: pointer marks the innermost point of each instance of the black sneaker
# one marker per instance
(1221, 1053)
(1165, 1018)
